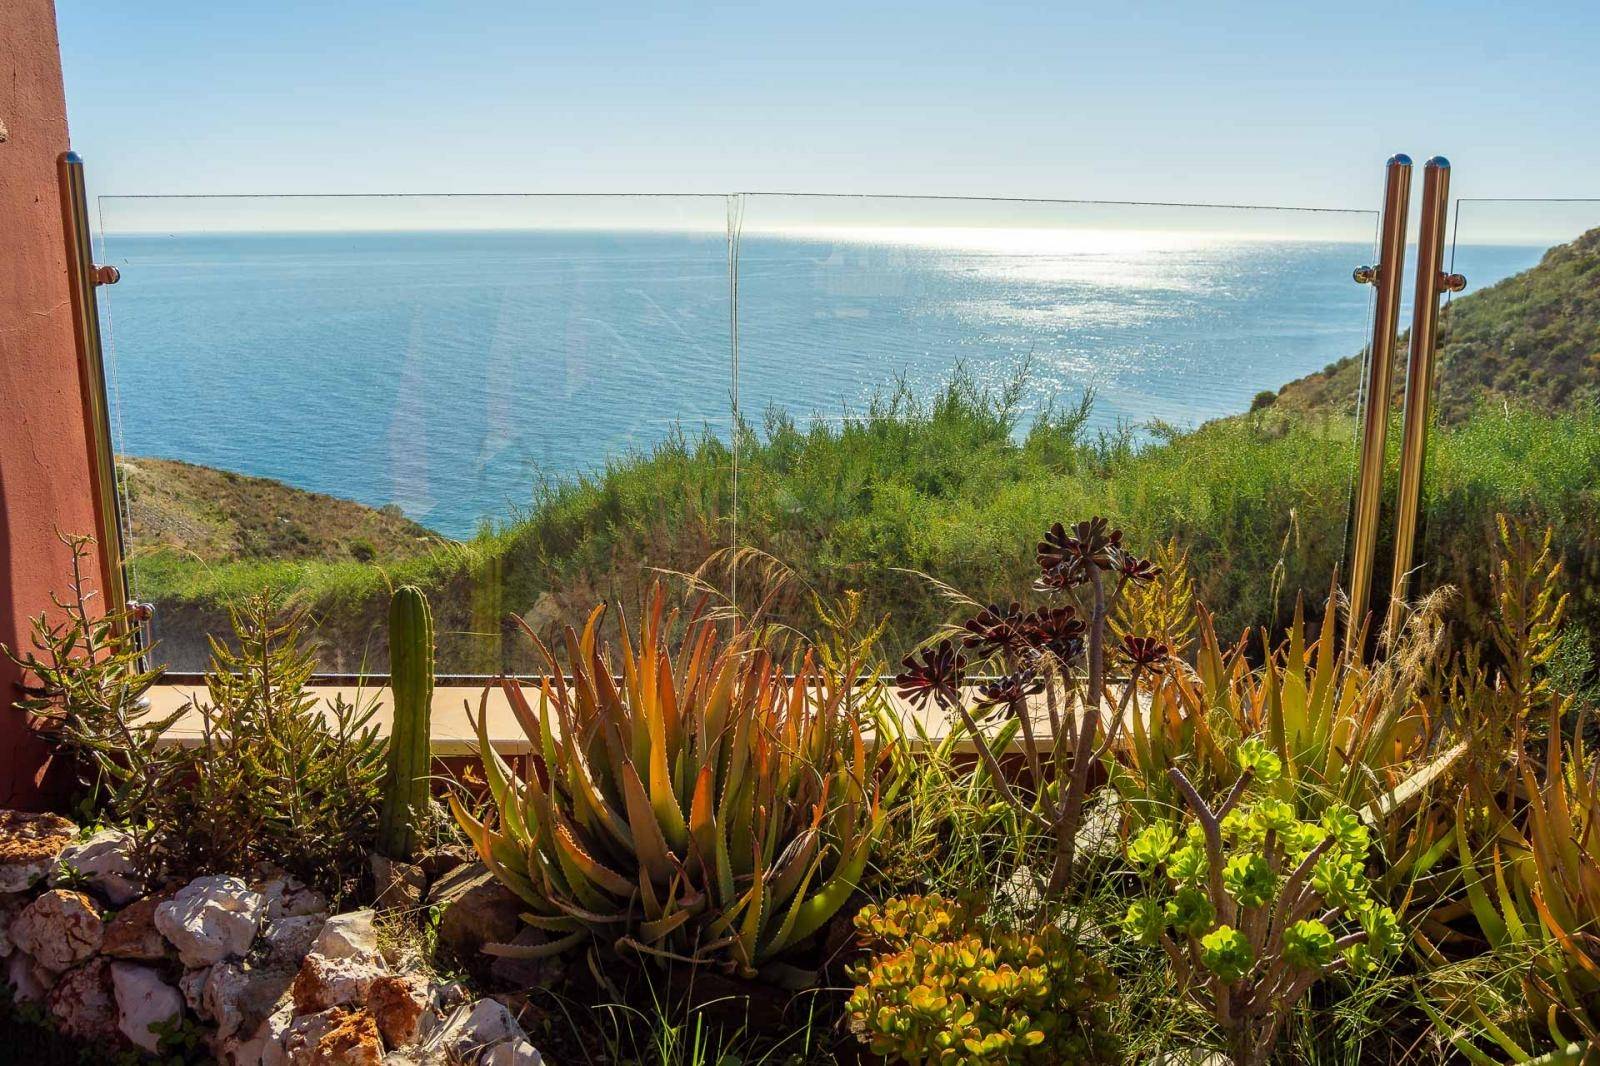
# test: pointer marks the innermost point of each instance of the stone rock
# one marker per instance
(23, 977)
(341, 965)
(303, 1034)
(512, 1053)
(323, 982)
(334, 1038)
(264, 1046)
(238, 997)
(104, 864)
(143, 1000)
(288, 897)
(210, 919)
(289, 939)
(474, 1027)
(29, 845)
(193, 986)
(436, 862)
(416, 1057)
(59, 929)
(348, 935)
(132, 932)
(401, 1006)
(396, 885)
(478, 910)
(83, 1003)
(1099, 834)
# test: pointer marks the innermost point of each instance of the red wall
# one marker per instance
(44, 466)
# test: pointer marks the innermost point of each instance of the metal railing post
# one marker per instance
(1432, 281)
(82, 278)
(1387, 276)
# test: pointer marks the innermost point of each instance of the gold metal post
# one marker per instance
(1431, 282)
(1387, 275)
(82, 278)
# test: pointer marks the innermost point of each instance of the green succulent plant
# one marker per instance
(703, 806)
(941, 987)
(1257, 904)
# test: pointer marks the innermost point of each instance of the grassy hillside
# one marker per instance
(945, 487)
(216, 516)
(1533, 338)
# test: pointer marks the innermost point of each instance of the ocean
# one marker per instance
(449, 373)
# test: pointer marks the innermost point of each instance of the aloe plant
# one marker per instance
(703, 806)
(405, 789)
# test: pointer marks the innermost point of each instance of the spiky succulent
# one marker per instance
(702, 806)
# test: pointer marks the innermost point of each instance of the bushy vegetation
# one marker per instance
(1294, 849)
(954, 487)
(278, 776)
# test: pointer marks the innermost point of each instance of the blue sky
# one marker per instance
(1275, 103)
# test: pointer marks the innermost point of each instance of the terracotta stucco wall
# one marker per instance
(44, 468)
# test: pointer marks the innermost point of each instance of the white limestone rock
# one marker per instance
(143, 1000)
(288, 897)
(104, 863)
(238, 997)
(288, 939)
(348, 935)
(512, 1053)
(342, 964)
(83, 1003)
(23, 978)
(264, 1046)
(211, 919)
(473, 1028)
(59, 930)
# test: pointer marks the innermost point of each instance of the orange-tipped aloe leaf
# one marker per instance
(648, 842)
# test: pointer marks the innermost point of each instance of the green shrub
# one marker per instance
(278, 776)
(274, 778)
(86, 693)
(940, 987)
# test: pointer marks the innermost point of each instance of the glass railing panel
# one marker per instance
(1516, 426)
(520, 403)
(925, 385)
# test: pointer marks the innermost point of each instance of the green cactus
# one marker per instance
(405, 791)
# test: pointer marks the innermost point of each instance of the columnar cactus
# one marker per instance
(405, 793)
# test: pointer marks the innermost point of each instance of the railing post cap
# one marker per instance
(1399, 159)
(72, 158)
(1439, 162)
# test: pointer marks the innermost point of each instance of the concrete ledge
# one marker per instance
(453, 735)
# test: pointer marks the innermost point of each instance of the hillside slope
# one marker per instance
(216, 516)
(1533, 338)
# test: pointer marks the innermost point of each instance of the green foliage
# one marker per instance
(277, 776)
(941, 987)
(405, 788)
(86, 693)
(707, 807)
(1257, 905)
(952, 486)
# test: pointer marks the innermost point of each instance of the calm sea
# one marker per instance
(448, 372)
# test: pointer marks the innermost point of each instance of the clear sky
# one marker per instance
(1277, 103)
